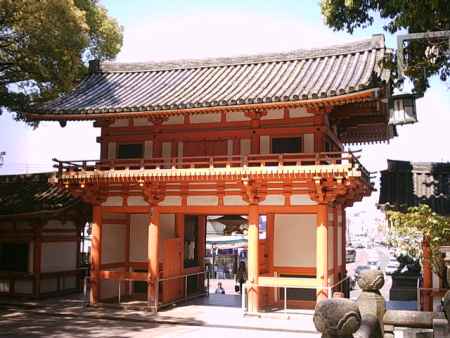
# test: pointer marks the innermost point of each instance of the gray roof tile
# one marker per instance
(298, 75)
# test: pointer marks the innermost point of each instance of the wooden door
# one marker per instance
(172, 266)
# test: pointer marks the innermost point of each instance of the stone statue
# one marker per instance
(370, 302)
(446, 305)
(337, 317)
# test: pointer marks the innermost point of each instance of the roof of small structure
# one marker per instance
(32, 193)
(405, 184)
(188, 84)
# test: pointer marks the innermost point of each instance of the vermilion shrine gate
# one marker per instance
(256, 135)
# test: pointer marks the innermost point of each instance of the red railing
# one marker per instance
(223, 161)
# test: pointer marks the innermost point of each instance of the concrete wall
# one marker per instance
(295, 240)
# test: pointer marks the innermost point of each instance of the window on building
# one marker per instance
(286, 145)
(14, 257)
(130, 150)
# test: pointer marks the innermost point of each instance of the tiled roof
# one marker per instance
(406, 184)
(298, 75)
(28, 193)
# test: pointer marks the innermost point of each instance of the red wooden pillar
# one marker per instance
(322, 250)
(96, 254)
(344, 240)
(127, 253)
(153, 258)
(336, 272)
(427, 276)
(253, 259)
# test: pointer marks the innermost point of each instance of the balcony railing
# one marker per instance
(223, 161)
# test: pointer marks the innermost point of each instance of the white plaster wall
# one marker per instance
(114, 215)
(109, 288)
(111, 150)
(53, 224)
(295, 240)
(273, 114)
(166, 149)
(139, 237)
(136, 201)
(24, 286)
(175, 119)
(113, 201)
(237, 116)
(171, 201)
(233, 200)
(202, 200)
(264, 144)
(302, 200)
(206, 118)
(245, 146)
(299, 112)
(148, 149)
(4, 286)
(308, 143)
(330, 247)
(339, 246)
(120, 123)
(273, 200)
(113, 243)
(141, 122)
(49, 285)
(58, 256)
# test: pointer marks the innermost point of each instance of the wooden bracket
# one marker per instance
(94, 195)
(153, 193)
(252, 191)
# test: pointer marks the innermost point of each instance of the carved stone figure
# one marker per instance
(337, 317)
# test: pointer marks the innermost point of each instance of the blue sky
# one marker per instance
(176, 29)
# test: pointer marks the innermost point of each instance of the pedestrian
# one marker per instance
(241, 276)
(220, 289)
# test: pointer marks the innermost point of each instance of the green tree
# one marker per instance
(410, 228)
(45, 45)
(425, 57)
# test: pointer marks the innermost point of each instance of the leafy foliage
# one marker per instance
(44, 46)
(425, 57)
(410, 228)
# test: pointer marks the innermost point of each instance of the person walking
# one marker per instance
(241, 275)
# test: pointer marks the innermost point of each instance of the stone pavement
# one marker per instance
(70, 317)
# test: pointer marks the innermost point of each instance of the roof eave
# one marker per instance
(359, 96)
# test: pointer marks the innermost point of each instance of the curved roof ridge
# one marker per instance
(375, 42)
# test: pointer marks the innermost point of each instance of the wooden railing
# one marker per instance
(223, 161)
